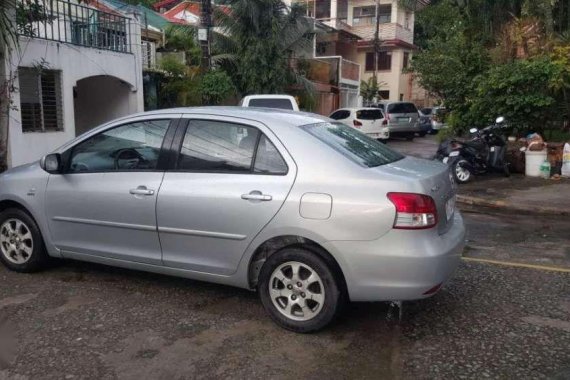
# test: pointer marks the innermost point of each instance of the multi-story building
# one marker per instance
(355, 25)
(78, 65)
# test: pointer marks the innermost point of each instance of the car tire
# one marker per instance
(22, 248)
(460, 173)
(422, 134)
(303, 302)
(410, 137)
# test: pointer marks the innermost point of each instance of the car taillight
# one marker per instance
(388, 116)
(357, 124)
(413, 211)
(384, 122)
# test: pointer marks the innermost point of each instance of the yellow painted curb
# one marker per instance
(518, 265)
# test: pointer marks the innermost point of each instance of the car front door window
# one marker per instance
(134, 146)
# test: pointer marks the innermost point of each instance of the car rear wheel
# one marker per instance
(299, 290)
(21, 246)
(422, 134)
(410, 137)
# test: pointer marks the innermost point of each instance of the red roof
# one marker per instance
(187, 6)
(164, 4)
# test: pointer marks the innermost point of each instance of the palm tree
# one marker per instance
(257, 41)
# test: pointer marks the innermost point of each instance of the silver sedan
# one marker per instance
(309, 212)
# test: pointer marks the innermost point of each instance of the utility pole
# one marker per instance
(376, 40)
(204, 34)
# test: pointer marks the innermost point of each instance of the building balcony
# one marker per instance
(343, 71)
(67, 22)
(387, 32)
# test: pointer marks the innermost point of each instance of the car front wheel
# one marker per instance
(299, 290)
(21, 245)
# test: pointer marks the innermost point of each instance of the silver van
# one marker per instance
(402, 117)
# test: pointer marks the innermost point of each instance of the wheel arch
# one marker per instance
(278, 243)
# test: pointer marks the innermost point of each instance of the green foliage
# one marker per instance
(451, 62)
(28, 12)
(369, 89)
(183, 38)
(256, 42)
(519, 91)
(180, 84)
(485, 58)
(216, 87)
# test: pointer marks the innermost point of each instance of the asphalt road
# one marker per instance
(86, 321)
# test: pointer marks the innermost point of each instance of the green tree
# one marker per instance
(450, 62)
(519, 91)
(257, 40)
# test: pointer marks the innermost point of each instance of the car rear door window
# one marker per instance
(369, 114)
(284, 104)
(215, 146)
(353, 144)
(268, 160)
(402, 108)
(131, 147)
(340, 115)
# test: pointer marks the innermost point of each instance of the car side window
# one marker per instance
(134, 146)
(215, 146)
(268, 160)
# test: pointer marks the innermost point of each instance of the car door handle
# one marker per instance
(256, 196)
(141, 190)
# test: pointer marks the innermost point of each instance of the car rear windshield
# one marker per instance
(284, 104)
(402, 108)
(369, 114)
(353, 144)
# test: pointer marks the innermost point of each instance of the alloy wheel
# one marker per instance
(16, 241)
(462, 174)
(297, 291)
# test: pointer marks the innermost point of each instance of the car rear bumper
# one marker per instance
(384, 134)
(401, 265)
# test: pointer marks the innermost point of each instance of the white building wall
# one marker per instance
(75, 63)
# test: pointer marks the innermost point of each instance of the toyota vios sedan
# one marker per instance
(307, 211)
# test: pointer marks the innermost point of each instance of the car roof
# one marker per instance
(268, 96)
(358, 109)
(272, 116)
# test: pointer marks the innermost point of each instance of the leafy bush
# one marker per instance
(519, 91)
(216, 86)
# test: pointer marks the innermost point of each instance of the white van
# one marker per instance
(284, 102)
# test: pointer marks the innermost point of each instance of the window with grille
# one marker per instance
(40, 100)
(384, 61)
(362, 16)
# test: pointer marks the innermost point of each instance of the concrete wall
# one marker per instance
(75, 63)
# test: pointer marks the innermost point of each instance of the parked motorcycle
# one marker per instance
(483, 153)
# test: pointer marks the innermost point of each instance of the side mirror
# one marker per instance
(51, 163)
(500, 120)
(473, 130)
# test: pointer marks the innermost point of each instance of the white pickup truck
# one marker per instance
(284, 102)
